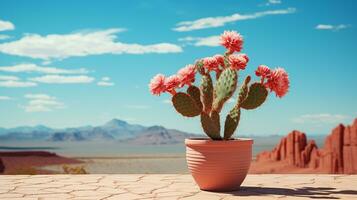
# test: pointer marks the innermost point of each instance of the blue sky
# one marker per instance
(74, 63)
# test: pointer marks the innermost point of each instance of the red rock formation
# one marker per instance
(27, 153)
(331, 156)
(339, 154)
(2, 167)
(12, 161)
(350, 149)
(294, 149)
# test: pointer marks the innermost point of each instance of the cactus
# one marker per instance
(185, 105)
(210, 126)
(243, 92)
(233, 117)
(209, 99)
(224, 88)
(195, 93)
(216, 120)
(256, 96)
(206, 93)
(232, 121)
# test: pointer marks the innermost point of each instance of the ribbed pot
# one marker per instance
(218, 165)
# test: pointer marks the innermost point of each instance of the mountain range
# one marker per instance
(115, 129)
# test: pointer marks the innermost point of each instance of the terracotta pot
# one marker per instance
(218, 165)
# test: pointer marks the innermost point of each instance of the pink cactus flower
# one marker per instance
(232, 40)
(157, 84)
(210, 63)
(187, 75)
(278, 82)
(171, 83)
(238, 61)
(263, 71)
(219, 59)
(245, 56)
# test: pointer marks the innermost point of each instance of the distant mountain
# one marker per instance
(155, 135)
(79, 136)
(120, 129)
(35, 135)
(113, 130)
(30, 129)
(26, 133)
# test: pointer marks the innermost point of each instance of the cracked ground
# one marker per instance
(174, 186)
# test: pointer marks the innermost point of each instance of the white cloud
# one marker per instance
(105, 82)
(320, 118)
(271, 2)
(105, 78)
(38, 96)
(6, 26)
(39, 69)
(5, 98)
(210, 22)
(17, 84)
(57, 79)
(9, 78)
(14, 81)
(42, 103)
(56, 46)
(331, 27)
(4, 37)
(210, 41)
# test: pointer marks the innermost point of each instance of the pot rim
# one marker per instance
(208, 141)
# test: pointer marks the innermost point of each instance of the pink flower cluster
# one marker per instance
(238, 61)
(277, 79)
(232, 40)
(160, 83)
(215, 63)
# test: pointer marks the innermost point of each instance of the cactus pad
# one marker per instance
(256, 96)
(232, 121)
(206, 93)
(216, 120)
(224, 88)
(243, 92)
(195, 93)
(210, 127)
(185, 105)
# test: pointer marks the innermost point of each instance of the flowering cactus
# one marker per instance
(208, 99)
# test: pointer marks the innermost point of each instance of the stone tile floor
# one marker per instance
(174, 186)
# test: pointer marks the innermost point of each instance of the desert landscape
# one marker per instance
(158, 150)
(182, 100)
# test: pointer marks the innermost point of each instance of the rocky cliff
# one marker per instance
(338, 155)
(2, 167)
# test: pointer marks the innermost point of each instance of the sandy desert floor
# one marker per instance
(130, 165)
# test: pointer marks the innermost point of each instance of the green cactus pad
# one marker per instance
(185, 105)
(210, 127)
(206, 93)
(216, 120)
(256, 96)
(195, 93)
(231, 124)
(200, 67)
(224, 88)
(243, 92)
(218, 74)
